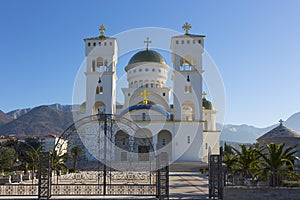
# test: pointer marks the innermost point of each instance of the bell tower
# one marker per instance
(101, 59)
(187, 51)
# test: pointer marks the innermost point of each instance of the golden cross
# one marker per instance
(147, 43)
(204, 95)
(102, 29)
(186, 27)
(144, 94)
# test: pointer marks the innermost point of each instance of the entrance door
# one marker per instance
(143, 153)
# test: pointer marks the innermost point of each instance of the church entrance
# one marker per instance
(143, 153)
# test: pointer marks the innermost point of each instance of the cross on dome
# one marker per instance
(147, 42)
(102, 29)
(186, 27)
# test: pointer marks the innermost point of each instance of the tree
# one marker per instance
(75, 152)
(7, 159)
(277, 161)
(58, 161)
(243, 162)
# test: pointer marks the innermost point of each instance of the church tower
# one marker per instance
(101, 59)
(187, 53)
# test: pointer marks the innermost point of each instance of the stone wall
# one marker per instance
(272, 193)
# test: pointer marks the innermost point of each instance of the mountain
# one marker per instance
(15, 114)
(4, 118)
(242, 133)
(42, 120)
(293, 122)
(248, 134)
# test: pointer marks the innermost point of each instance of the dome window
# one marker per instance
(94, 43)
(177, 42)
(89, 44)
(146, 69)
(153, 70)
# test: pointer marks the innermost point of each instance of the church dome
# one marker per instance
(147, 56)
(207, 105)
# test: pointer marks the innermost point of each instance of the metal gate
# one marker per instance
(97, 171)
(216, 176)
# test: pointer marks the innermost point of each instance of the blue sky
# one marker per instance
(255, 45)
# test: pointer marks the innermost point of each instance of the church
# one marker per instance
(184, 128)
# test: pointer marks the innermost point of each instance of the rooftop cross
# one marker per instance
(102, 29)
(186, 27)
(144, 94)
(147, 42)
(280, 121)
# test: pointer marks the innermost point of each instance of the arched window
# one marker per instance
(99, 107)
(188, 111)
(99, 90)
(99, 61)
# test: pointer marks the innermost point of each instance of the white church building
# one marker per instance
(184, 128)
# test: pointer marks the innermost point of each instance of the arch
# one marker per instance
(99, 107)
(164, 142)
(143, 144)
(101, 64)
(186, 64)
(187, 111)
(99, 90)
(122, 144)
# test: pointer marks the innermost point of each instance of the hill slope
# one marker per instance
(4, 118)
(42, 120)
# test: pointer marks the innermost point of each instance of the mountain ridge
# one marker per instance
(55, 118)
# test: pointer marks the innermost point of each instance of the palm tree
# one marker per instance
(277, 161)
(244, 162)
(58, 161)
(75, 152)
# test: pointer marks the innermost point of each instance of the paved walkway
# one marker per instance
(188, 185)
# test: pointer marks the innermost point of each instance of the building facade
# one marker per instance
(185, 129)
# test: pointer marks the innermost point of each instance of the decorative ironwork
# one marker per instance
(19, 190)
(162, 176)
(44, 188)
(216, 177)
